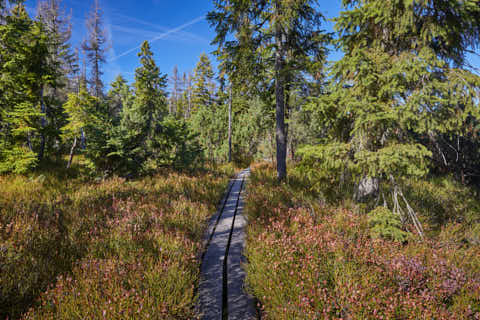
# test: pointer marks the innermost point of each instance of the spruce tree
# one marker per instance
(95, 48)
(150, 96)
(401, 78)
(120, 96)
(25, 72)
(138, 142)
(203, 85)
(265, 32)
(62, 62)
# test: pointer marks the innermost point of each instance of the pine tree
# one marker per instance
(95, 48)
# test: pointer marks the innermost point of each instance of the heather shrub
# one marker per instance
(310, 259)
(113, 248)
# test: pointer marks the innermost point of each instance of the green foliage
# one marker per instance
(331, 159)
(450, 208)
(120, 97)
(394, 94)
(203, 86)
(448, 27)
(211, 125)
(144, 138)
(17, 159)
(385, 224)
(88, 118)
(24, 69)
(181, 149)
(149, 108)
(270, 46)
(81, 109)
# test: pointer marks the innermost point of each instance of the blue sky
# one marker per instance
(177, 30)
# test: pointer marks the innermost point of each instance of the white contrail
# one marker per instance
(124, 17)
(160, 36)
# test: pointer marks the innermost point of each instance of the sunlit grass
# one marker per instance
(77, 247)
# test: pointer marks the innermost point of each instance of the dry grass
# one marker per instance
(71, 248)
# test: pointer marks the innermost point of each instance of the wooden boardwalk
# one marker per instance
(221, 292)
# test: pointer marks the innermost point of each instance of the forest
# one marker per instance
(364, 196)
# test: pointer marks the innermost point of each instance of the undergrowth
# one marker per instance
(309, 258)
(73, 247)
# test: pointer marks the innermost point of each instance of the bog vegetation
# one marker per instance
(105, 189)
(311, 259)
(115, 249)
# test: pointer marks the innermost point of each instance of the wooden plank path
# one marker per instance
(221, 292)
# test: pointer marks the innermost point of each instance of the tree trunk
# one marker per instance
(367, 187)
(230, 126)
(280, 102)
(44, 124)
(189, 108)
(287, 107)
(72, 150)
(272, 155)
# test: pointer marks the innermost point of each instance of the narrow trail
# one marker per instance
(221, 293)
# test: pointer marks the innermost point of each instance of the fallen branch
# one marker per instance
(397, 208)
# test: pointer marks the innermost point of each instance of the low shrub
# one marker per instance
(114, 249)
(311, 260)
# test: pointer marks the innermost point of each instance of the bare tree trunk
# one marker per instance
(230, 126)
(72, 150)
(280, 102)
(189, 97)
(44, 124)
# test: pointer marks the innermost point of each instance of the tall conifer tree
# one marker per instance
(95, 48)
(401, 78)
(265, 32)
(62, 61)
(203, 85)
(25, 72)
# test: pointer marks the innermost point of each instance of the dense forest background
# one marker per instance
(403, 100)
